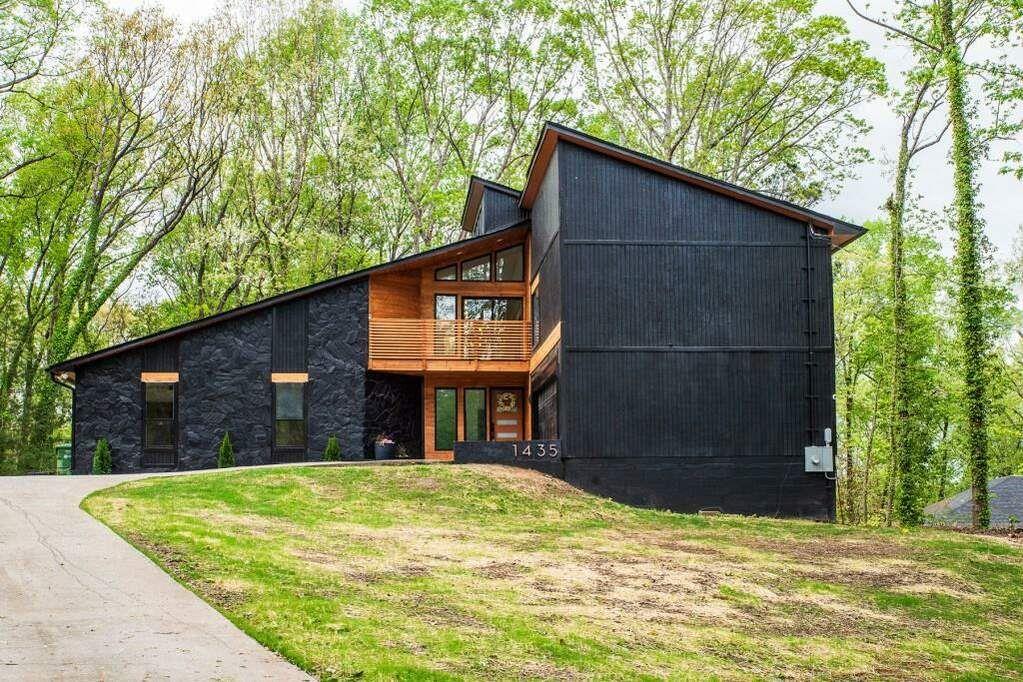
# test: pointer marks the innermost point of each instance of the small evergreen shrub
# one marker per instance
(225, 455)
(332, 453)
(101, 463)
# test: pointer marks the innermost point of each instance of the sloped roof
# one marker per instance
(841, 231)
(1006, 500)
(166, 334)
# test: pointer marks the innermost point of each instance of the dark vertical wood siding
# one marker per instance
(161, 357)
(499, 210)
(289, 337)
(546, 250)
(687, 338)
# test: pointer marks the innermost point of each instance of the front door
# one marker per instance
(507, 412)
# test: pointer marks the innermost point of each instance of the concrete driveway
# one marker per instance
(77, 602)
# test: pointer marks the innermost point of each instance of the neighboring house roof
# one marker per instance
(842, 232)
(194, 325)
(1006, 502)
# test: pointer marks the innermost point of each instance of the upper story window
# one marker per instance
(477, 269)
(446, 274)
(508, 264)
(492, 308)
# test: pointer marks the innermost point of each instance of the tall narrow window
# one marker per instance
(289, 416)
(475, 402)
(508, 264)
(477, 269)
(545, 401)
(160, 417)
(534, 310)
(160, 426)
(444, 419)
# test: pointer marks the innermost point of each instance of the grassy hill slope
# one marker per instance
(463, 572)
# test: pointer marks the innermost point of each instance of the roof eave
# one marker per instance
(70, 364)
(553, 133)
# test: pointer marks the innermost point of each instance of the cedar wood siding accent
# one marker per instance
(684, 376)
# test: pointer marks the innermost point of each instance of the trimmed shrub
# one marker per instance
(332, 453)
(101, 463)
(225, 455)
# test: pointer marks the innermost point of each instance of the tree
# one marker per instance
(101, 458)
(134, 143)
(225, 452)
(761, 93)
(946, 29)
(923, 95)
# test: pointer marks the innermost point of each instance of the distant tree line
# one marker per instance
(153, 172)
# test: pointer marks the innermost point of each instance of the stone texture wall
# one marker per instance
(108, 404)
(338, 352)
(394, 406)
(224, 385)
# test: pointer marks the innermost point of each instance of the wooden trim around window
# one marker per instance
(159, 377)
(289, 377)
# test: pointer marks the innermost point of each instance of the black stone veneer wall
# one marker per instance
(338, 348)
(224, 385)
(108, 405)
(394, 406)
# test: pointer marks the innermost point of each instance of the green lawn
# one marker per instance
(462, 572)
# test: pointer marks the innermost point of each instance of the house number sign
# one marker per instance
(537, 449)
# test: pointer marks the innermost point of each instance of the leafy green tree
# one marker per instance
(225, 453)
(101, 463)
(761, 93)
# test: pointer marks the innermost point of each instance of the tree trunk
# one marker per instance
(970, 322)
(907, 504)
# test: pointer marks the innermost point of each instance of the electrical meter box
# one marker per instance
(819, 458)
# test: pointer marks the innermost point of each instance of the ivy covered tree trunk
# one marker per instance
(970, 317)
(908, 506)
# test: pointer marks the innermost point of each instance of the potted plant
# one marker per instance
(384, 447)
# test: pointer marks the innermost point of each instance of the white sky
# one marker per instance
(861, 199)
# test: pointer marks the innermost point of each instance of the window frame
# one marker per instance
(476, 297)
(536, 401)
(438, 278)
(436, 419)
(486, 414)
(490, 268)
(146, 447)
(458, 307)
(522, 250)
(305, 417)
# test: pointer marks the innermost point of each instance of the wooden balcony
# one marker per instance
(449, 345)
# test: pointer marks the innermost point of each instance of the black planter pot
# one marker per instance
(384, 450)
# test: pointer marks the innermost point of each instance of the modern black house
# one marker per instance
(666, 336)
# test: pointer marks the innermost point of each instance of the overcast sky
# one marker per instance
(861, 199)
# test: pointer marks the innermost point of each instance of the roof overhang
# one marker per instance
(841, 232)
(66, 368)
